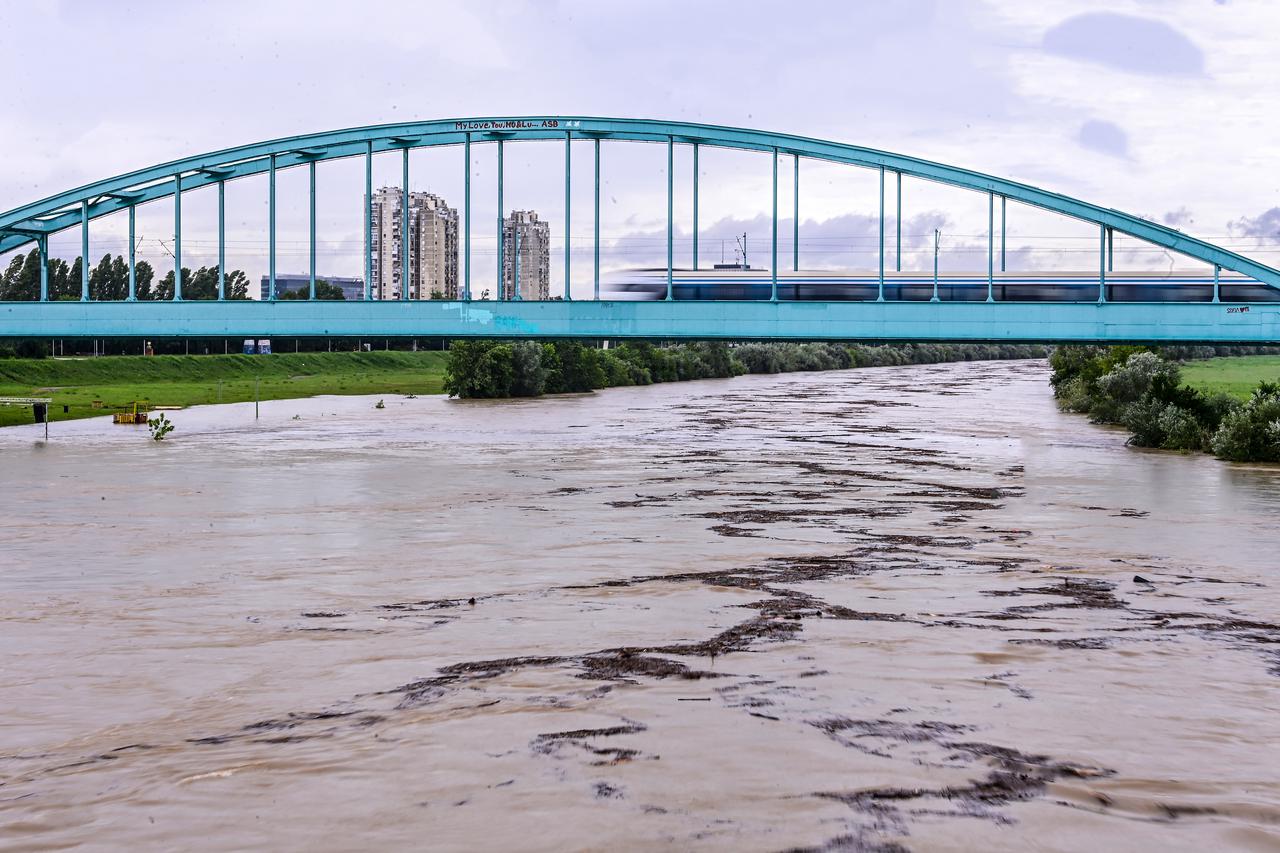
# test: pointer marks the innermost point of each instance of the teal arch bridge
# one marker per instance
(1232, 298)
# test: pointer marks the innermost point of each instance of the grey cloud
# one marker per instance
(1104, 137)
(1126, 42)
(1265, 224)
(1178, 218)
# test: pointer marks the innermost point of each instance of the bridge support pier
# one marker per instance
(311, 242)
(406, 268)
(43, 245)
(84, 251)
(502, 236)
(133, 266)
(671, 161)
(1102, 264)
(568, 220)
(466, 223)
(695, 207)
(222, 240)
(795, 218)
(368, 217)
(773, 264)
(271, 229)
(596, 261)
(897, 230)
(991, 246)
(1004, 232)
(880, 285)
(177, 237)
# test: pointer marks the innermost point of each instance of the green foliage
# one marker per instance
(160, 426)
(1181, 429)
(324, 290)
(1139, 389)
(31, 348)
(1140, 375)
(176, 380)
(202, 284)
(572, 367)
(479, 369)
(109, 280)
(1251, 433)
(528, 376)
(490, 369)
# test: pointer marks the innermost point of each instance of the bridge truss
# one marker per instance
(877, 319)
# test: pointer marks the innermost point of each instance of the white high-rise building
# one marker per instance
(433, 246)
(531, 263)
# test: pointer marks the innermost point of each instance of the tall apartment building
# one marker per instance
(531, 262)
(433, 245)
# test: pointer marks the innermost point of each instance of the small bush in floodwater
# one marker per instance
(160, 427)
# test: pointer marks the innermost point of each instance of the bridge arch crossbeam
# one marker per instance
(37, 220)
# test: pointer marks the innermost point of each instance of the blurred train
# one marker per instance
(752, 285)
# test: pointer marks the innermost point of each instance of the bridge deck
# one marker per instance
(865, 321)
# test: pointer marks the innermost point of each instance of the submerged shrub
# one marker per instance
(1073, 395)
(1251, 433)
(528, 376)
(1181, 430)
(1128, 382)
(1142, 418)
(478, 369)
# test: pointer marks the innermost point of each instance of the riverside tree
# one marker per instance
(109, 280)
(324, 290)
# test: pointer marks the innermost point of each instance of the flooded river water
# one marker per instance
(878, 609)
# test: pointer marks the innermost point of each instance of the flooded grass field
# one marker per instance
(883, 609)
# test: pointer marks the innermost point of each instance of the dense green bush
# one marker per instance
(1142, 375)
(478, 369)
(24, 348)
(1141, 390)
(1251, 433)
(528, 376)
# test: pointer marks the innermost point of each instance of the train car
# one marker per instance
(755, 285)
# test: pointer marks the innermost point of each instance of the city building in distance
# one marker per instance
(433, 246)
(352, 288)
(526, 256)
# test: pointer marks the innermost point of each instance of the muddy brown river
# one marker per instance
(900, 608)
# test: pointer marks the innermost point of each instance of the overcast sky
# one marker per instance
(1164, 109)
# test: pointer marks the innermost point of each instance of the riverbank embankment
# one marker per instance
(115, 382)
(88, 387)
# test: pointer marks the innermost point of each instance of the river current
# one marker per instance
(880, 609)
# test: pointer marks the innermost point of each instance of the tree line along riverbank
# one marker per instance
(1231, 407)
(495, 369)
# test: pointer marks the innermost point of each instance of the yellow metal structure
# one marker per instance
(137, 416)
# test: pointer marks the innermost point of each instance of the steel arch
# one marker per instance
(37, 220)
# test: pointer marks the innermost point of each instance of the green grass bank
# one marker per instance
(1237, 376)
(177, 380)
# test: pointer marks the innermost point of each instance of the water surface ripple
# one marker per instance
(883, 609)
